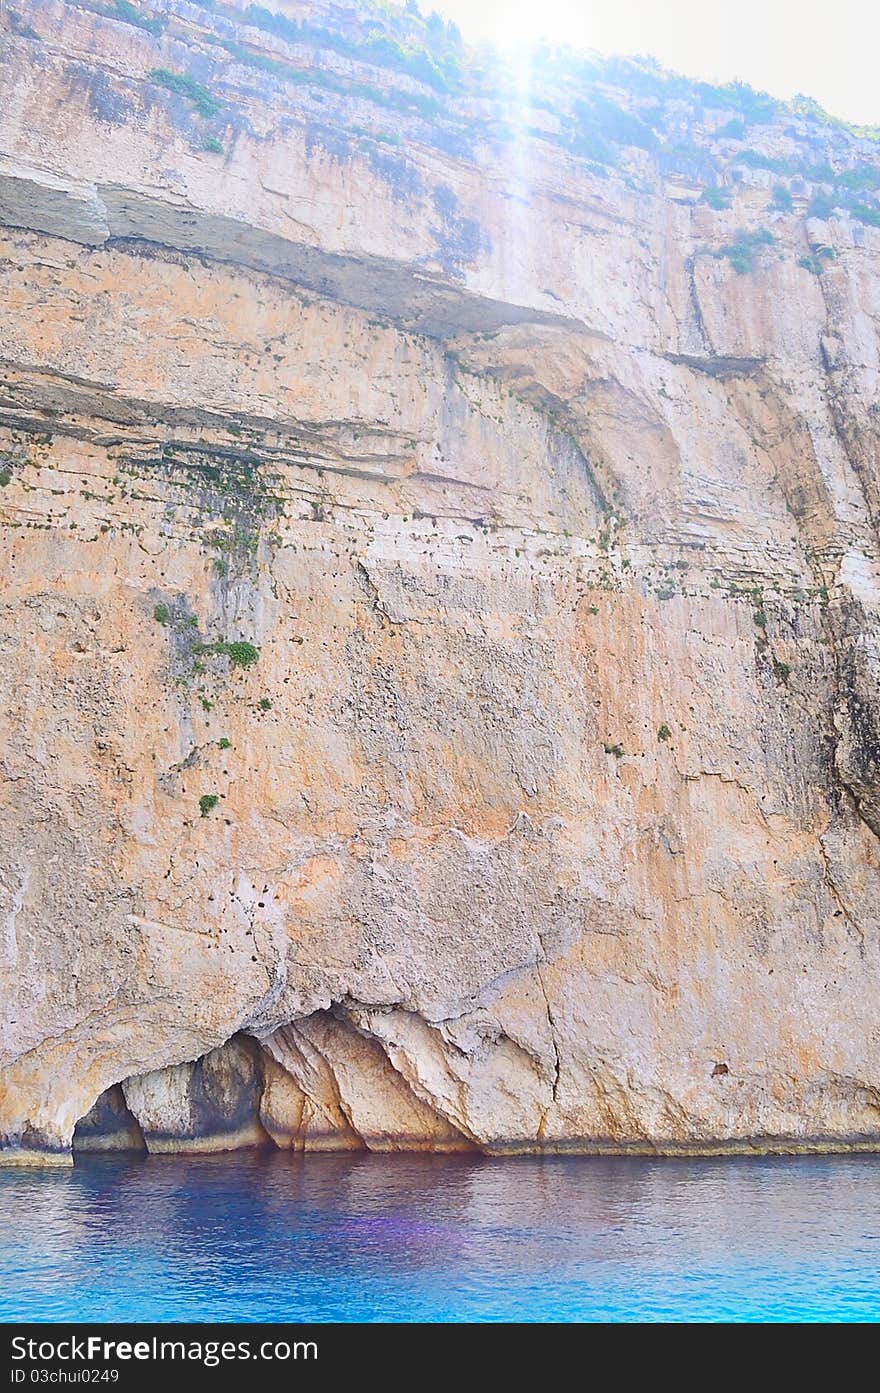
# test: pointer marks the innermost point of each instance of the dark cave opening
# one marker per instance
(109, 1125)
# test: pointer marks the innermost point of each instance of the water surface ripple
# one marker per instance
(266, 1237)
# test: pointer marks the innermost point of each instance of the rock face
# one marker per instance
(439, 629)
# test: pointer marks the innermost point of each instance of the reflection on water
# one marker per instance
(276, 1237)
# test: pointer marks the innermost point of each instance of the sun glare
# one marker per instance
(519, 23)
(781, 46)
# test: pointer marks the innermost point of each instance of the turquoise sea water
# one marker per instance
(255, 1237)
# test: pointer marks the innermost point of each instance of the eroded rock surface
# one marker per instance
(439, 623)
(210, 1105)
(337, 1090)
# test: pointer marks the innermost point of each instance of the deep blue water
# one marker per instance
(253, 1237)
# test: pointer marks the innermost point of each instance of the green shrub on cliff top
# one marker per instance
(131, 15)
(871, 216)
(439, 71)
(185, 86)
(740, 252)
(782, 200)
(822, 206)
(815, 262)
(240, 653)
(735, 128)
(207, 802)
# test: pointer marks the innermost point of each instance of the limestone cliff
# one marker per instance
(440, 637)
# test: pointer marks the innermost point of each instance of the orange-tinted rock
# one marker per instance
(367, 514)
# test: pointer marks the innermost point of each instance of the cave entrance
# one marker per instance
(109, 1125)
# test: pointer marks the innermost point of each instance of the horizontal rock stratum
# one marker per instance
(439, 628)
